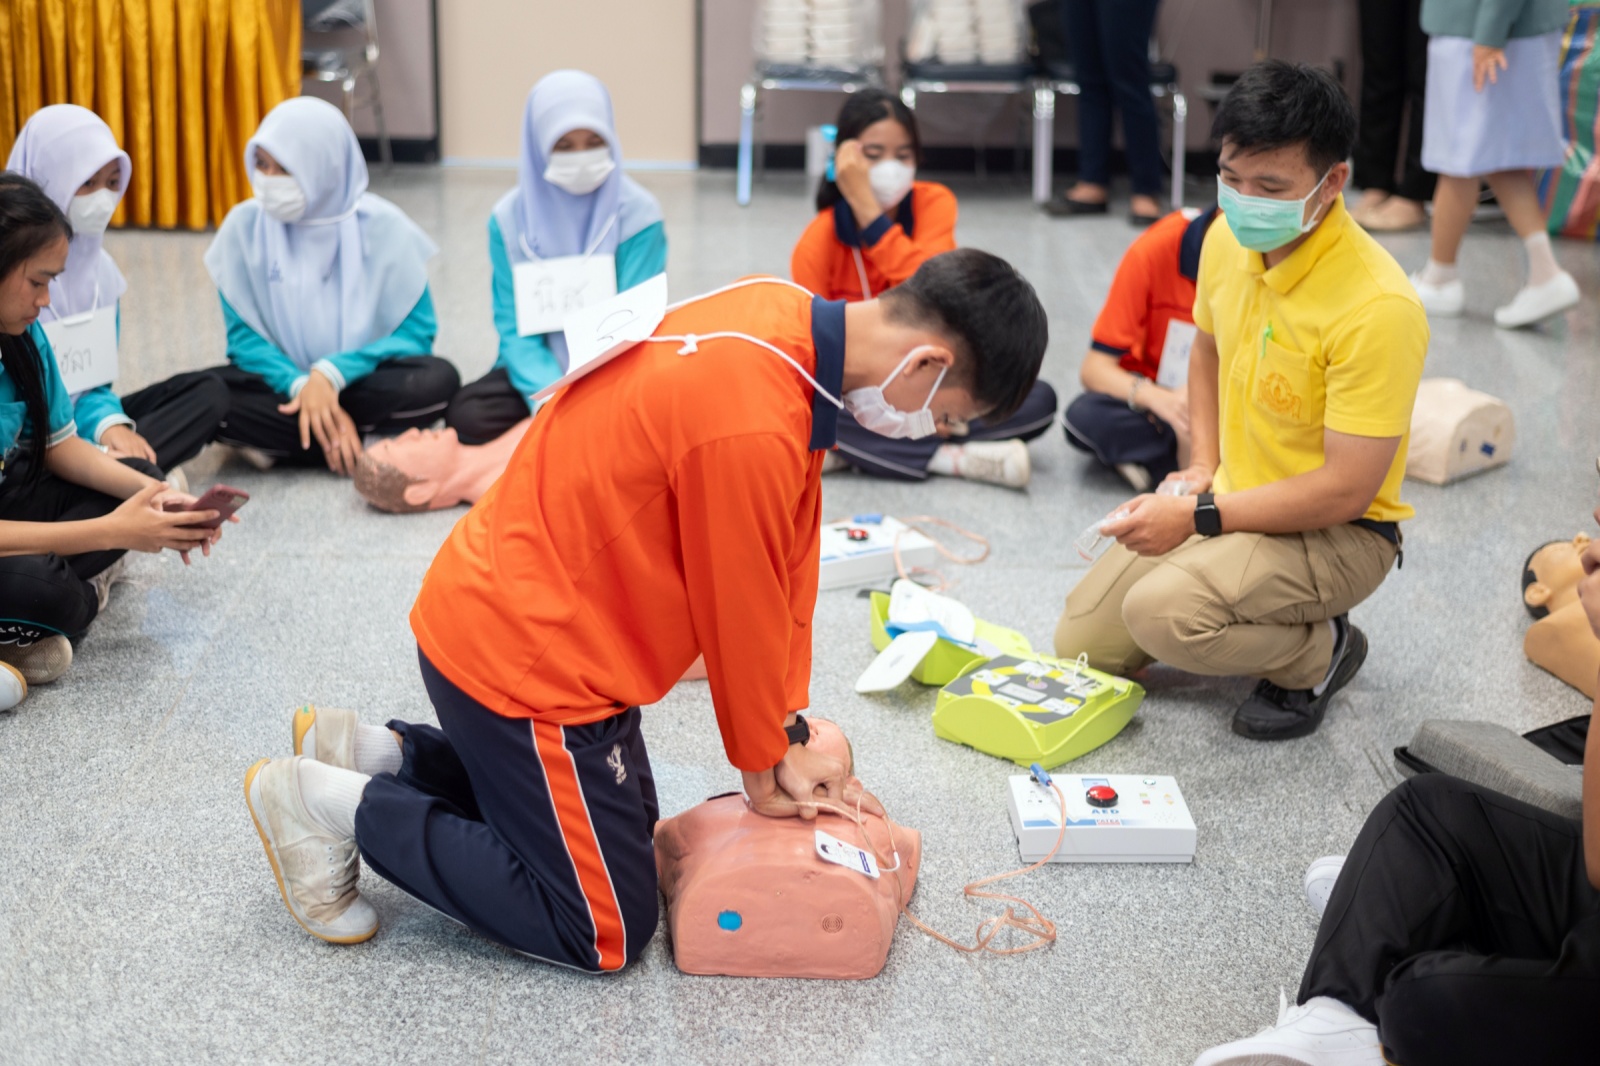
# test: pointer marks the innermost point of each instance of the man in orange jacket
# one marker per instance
(665, 506)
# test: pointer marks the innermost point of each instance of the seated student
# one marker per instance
(1463, 929)
(571, 199)
(1133, 414)
(875, 225)
(664, 506)
(68, 511)
(73, 156)
(1301, 384)
(324, 291)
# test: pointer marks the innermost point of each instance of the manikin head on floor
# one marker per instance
(428, 470)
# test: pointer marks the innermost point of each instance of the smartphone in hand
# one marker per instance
(224, 499)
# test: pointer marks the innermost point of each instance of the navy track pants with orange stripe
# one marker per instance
(537, 836)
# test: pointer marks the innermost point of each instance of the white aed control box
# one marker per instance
(1116, 818)
(861, 550)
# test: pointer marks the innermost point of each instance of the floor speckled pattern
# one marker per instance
(138, 919)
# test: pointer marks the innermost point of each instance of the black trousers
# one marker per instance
(487, 408)
(536, 835)
(1394, 74)
(180, 415)
(400, 394)
(1110, 43)
(907, 460)
(1108, 429)
(1464, 926)
(46, 595)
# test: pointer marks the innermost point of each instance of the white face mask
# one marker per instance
(873, 410)
(91, 214)
(579, 173)
(280, 196)
(891, 180)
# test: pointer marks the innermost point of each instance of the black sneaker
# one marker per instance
(1273, 713)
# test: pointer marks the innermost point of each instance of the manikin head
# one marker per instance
(410, 473)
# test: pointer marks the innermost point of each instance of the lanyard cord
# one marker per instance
(58, 316)
(861, 271)
(691, 344)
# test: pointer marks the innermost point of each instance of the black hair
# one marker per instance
(991, 312)
(29, 222)
(863, 108)
(1277, 104)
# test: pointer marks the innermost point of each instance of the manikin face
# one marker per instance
(26, 290)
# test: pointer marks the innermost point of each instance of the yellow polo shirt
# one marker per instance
(1333, 337)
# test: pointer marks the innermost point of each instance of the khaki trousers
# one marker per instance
(1250, 604)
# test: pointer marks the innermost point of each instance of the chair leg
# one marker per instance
(1044, 142)
(385, 148)
(747, 120)
(908, 96)
(347, 90)
(1180, 144)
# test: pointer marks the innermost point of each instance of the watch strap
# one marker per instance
(800, 732)
(1207, 519)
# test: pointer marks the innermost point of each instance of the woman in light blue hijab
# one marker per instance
(324, 291)
(571, 200)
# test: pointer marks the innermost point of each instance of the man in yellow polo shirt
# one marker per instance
(1301, 381)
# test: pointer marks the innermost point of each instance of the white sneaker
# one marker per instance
(316, 872)
(40, 662)
(833, 461)
(103, 581)
(1322, 1032)
(1535, 303)
(13, 687)
(998, 462)
(326, 734)
(1136, 476)
(178, 480)
(257, 458)
(1441, 301)
(1320, 876)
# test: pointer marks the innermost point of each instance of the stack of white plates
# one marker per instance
(784, 34)
(835, 30)
(999, 24)
(955, 30)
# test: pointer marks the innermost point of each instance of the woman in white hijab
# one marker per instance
(324, 291)
(74, 157)
(571, 200)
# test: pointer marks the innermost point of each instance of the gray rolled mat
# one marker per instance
(1493, 756)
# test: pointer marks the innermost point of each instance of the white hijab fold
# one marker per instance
(348, 272)
(61, 147)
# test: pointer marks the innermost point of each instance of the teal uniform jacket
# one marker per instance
(254, 354)
(529, 361)
(14, 427)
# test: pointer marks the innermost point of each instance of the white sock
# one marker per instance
(1542, 265)
(331, 795)
(1437, 273)
(946, 461)
(376, 751)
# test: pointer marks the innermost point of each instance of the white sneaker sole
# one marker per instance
(263, 830)
(1320, 878)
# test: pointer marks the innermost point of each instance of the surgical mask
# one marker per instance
(891, 180)
(1261, 223)
(580, 173)
(91, 214)
(873, 410)
(280, 196)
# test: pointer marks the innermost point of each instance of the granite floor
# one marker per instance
(139, 922)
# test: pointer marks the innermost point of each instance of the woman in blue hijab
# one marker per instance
(324, 291)
(572, 211)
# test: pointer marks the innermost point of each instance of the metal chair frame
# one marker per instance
(354, 62)
(769, 78)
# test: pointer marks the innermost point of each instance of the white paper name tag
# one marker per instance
(598, 334)
(548, 290)
(1174, 372)
(847, 855)
(86, 349)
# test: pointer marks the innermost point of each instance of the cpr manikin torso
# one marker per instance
(749, 896)
(427, 470)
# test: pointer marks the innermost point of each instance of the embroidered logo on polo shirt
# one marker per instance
(1276, 394)
(614, 760)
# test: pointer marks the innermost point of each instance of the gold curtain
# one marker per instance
(182, 84)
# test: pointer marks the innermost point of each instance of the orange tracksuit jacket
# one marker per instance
(891, 248)
(664, 506)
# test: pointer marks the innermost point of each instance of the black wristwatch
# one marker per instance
(800, 732)
(1207, 519)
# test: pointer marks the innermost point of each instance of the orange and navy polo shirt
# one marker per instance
(892, 248)
(1154, 286)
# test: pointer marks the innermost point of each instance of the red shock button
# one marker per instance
(1101, 796)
